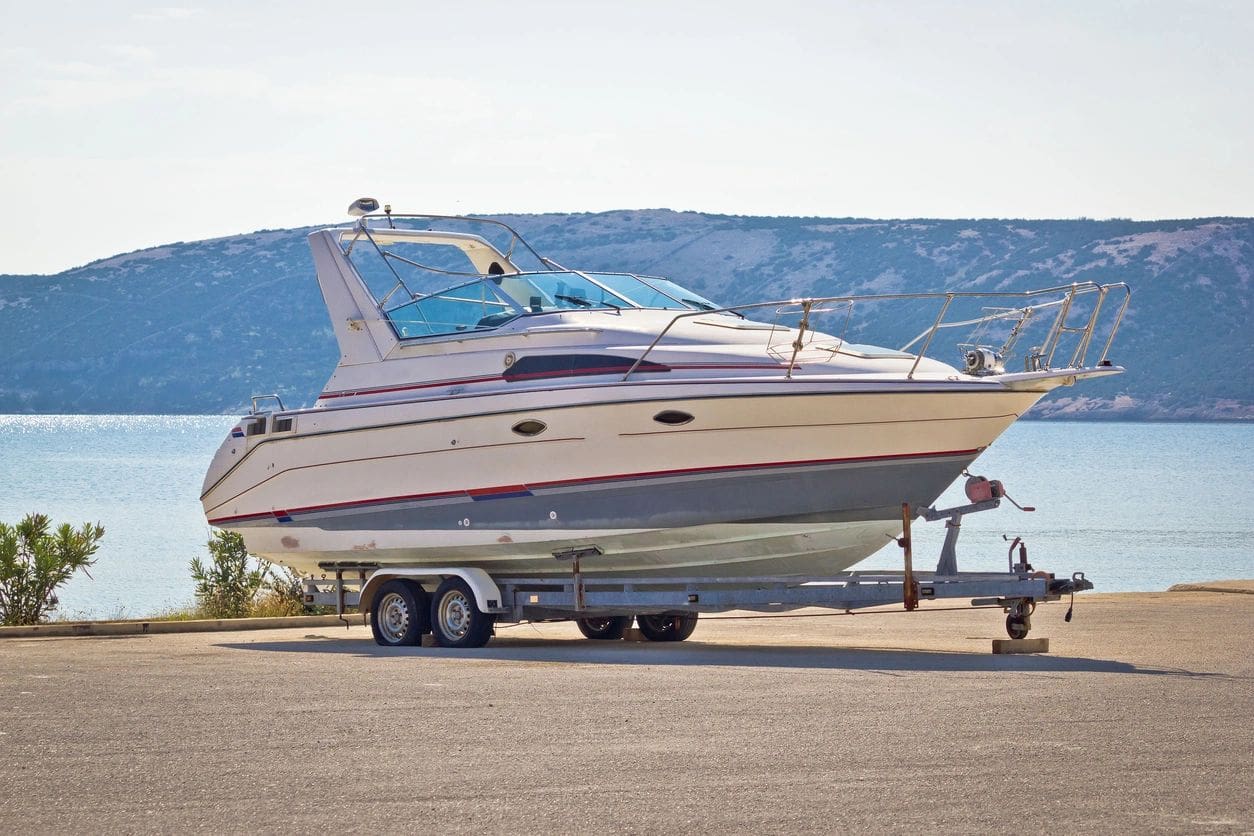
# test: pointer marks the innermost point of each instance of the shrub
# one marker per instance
(228, 586)
(34, 563)
(284, 595)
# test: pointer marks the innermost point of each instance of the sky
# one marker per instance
(126, 125)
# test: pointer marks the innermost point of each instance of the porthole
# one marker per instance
(672, 417)
(530, 427)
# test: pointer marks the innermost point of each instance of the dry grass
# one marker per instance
(274, 605)
(189, 612)
(268, 605)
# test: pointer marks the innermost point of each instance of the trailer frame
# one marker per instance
(581, 596)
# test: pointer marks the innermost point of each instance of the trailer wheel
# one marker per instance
(456, 621)
(399, 614)
(1017, 626)
(666, 628)
(607, 628)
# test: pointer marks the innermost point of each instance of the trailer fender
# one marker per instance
(487, 593)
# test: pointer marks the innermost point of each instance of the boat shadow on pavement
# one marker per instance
(695, 653)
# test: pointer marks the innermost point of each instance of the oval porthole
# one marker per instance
(672, 417)
(530, 427)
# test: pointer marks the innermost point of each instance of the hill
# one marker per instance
(199, 327)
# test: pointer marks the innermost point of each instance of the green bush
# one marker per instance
(228, 586)
(237, 585)
(35, 562)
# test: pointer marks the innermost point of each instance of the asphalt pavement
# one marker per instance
(1140, 718)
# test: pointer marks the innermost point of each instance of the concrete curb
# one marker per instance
(136, 628)
(1240, 587)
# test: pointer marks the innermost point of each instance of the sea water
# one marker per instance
(1135, 506)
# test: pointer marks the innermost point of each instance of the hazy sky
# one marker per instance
(125, 125)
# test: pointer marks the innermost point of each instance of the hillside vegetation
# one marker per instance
(199, 327)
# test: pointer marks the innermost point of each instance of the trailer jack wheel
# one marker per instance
(1017, 626)
(1019, 620)
(605, 629)
(666, 628)
(456, 621)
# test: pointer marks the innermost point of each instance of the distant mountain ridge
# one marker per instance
(199, 327)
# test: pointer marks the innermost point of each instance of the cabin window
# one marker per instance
(530, 427)
(673, 417)
(539, 366)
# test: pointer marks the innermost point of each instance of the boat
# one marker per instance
(492, 409)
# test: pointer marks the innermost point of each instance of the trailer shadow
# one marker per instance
(695, 653)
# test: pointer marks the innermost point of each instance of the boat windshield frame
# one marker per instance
(493, 290)
(487, 302)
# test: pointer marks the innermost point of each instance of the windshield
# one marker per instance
(683, 294)
(473, 306)
(641, 294)
(493, 300)
(407, 268)
(563, 290)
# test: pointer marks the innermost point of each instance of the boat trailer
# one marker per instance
(460, 605)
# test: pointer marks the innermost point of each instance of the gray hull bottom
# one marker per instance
(800, 519)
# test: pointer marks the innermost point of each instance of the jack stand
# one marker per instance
(1022, 567)
(574, 556)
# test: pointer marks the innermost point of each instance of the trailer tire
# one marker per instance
(666, 628)
(456, 621)
(398, 616)
(606, 628)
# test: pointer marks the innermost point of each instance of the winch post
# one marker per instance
(948, 563)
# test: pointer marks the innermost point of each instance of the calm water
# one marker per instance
(1134, 506)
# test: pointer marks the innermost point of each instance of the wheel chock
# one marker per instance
(1020, 645)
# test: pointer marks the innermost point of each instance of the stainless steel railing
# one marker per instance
(1033, 303)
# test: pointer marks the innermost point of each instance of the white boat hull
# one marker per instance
(759, 482)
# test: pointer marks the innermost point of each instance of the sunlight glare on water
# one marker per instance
(137, 475)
